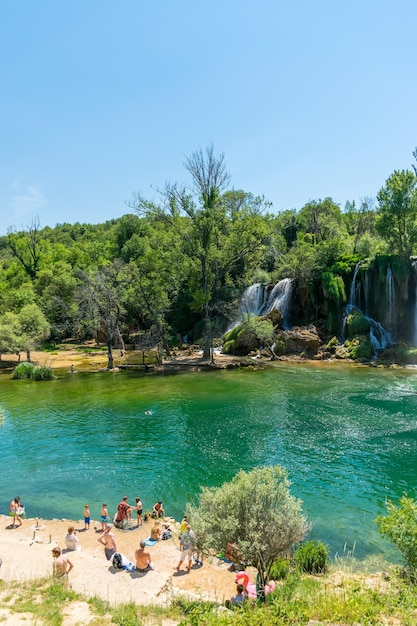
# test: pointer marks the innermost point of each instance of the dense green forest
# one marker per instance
(178, 267)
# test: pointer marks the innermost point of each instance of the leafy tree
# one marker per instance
(10, 333)
(26, 246)
(397, 212)
(101, 308)
(34, 326)
(361, 222)
(56, 287)
(322, 219)
(400, 526)
(256, 513)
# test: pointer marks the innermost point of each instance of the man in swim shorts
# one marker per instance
(62, 564)
(108, 541)
(143, 559)
(158, 510)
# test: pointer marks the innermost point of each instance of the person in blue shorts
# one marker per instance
(86, 517)
(104, 516)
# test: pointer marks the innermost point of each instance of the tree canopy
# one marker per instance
(255, 513)
(184, 259)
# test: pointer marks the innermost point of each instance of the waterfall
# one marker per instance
(378, 337)
(390, 301)
(354, 293)
(255, 301)
(280, 299)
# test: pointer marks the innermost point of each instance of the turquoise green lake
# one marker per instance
(346, 434)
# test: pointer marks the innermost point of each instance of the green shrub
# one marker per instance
(334, 287)
(312, 557)
(23, 370)
(228, 347)
(43, 373)
(279, 569)
(29, 370)
(359, 347)
(400, 526)
(332, 344)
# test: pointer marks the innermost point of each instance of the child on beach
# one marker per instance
(86, 517)
(104, 516)
(139, 511)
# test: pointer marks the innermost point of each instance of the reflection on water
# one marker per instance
(346, 435)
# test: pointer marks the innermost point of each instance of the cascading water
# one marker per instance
(255, 301)
(354, 293)
(378, 337)
(280, 299)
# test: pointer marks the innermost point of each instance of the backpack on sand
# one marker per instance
(117, 561)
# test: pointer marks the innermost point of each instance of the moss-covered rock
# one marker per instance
(359, 347)
(357, 324)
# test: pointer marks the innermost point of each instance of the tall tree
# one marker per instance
(101, 308)
(397, 212)
(218, 234)
(26, 246)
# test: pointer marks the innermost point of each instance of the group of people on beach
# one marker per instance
(62, 564)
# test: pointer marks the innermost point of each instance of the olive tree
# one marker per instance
(400, 526)
(254, 512)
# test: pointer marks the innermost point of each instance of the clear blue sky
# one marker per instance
(306, 99)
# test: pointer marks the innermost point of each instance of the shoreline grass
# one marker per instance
(299, 599)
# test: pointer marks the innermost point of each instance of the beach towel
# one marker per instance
(150, 542)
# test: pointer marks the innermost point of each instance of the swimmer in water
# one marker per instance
(148, 412)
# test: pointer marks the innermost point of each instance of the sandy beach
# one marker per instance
(26, 554)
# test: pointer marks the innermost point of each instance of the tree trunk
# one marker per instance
(260, 586)
(110, 364)
(28, 356)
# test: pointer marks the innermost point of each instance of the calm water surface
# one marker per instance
(347, 436)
